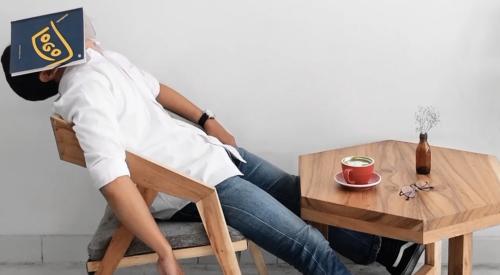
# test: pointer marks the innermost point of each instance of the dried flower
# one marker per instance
(426, 118)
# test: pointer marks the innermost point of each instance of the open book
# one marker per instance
(47, 41)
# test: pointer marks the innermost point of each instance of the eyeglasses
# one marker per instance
(410, 191)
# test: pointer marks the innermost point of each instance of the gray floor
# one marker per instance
(209, 269)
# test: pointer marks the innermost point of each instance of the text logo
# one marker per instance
(50, 45)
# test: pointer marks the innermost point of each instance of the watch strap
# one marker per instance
(203, 119)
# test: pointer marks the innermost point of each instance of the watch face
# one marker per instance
(210, 113)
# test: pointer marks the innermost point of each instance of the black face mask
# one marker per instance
(28, 86)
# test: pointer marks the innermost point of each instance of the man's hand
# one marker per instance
(214, 128)
(168, 265)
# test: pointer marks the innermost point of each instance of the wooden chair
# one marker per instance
(151, 178)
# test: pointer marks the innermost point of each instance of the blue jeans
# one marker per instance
(264, 205)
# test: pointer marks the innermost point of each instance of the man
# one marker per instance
(116, 106)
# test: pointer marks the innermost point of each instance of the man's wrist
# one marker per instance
(207, 115)
(165, 252)
(208, 122)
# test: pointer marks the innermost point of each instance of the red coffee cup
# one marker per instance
(357, 169)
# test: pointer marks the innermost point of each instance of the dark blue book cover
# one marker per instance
(47, 41)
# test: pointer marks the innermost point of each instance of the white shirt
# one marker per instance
(113, 106)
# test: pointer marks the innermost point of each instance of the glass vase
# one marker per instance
(423, 156)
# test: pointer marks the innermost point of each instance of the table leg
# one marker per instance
(432, 264)
(460, 255)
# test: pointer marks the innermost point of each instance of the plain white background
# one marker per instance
(286, 77)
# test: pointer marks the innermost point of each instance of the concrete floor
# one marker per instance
(209, 269)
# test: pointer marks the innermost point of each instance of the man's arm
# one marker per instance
(177, 103)
(130, 208)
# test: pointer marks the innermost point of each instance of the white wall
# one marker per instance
(285, 76)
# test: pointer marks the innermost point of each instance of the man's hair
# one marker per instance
(28, 86)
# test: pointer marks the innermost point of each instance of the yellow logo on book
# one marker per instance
(51, 45)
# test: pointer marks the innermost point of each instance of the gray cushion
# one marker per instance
(179, 234)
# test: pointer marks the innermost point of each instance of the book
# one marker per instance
(47, 41)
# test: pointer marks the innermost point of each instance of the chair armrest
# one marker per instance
(148, 174)
(144, 172)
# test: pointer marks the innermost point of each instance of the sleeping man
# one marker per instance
(116, 106)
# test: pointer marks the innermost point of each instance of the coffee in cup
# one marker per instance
(357, 169)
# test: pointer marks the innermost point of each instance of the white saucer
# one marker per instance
(374, 180)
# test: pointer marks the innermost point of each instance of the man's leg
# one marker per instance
(265, 221)
(398, 257)
(359, 247)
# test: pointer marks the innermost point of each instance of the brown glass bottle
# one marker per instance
(423, 156)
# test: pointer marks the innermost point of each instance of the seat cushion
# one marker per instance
(179, 234)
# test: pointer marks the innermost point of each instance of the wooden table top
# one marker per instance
(465, 198)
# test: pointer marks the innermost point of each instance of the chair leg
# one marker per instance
(115, 251)
(213, 220)
(258, 259)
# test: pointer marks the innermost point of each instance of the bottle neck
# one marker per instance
(423, 137)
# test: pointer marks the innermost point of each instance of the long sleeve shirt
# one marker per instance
(113, 106)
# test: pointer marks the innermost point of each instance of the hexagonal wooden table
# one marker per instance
(465, 198)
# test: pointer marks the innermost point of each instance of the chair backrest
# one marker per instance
(144, 172)
(67, 144)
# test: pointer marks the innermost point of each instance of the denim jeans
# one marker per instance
(264, 205)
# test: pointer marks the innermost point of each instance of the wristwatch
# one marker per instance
(207, 114)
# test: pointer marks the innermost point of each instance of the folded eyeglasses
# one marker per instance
(410, 191)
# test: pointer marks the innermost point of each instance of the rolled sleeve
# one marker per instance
(106, 170)
(90, 105)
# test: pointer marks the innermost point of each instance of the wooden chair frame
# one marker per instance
(151, 178)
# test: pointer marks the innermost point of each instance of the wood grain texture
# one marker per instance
(147, 173)
(460, 255)
(460, 229)
(257, 257)
(466, 193)
(115, 251)
(433, 256)
(359, 225)
(214, 222)
(183, 253)
(67, 144)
